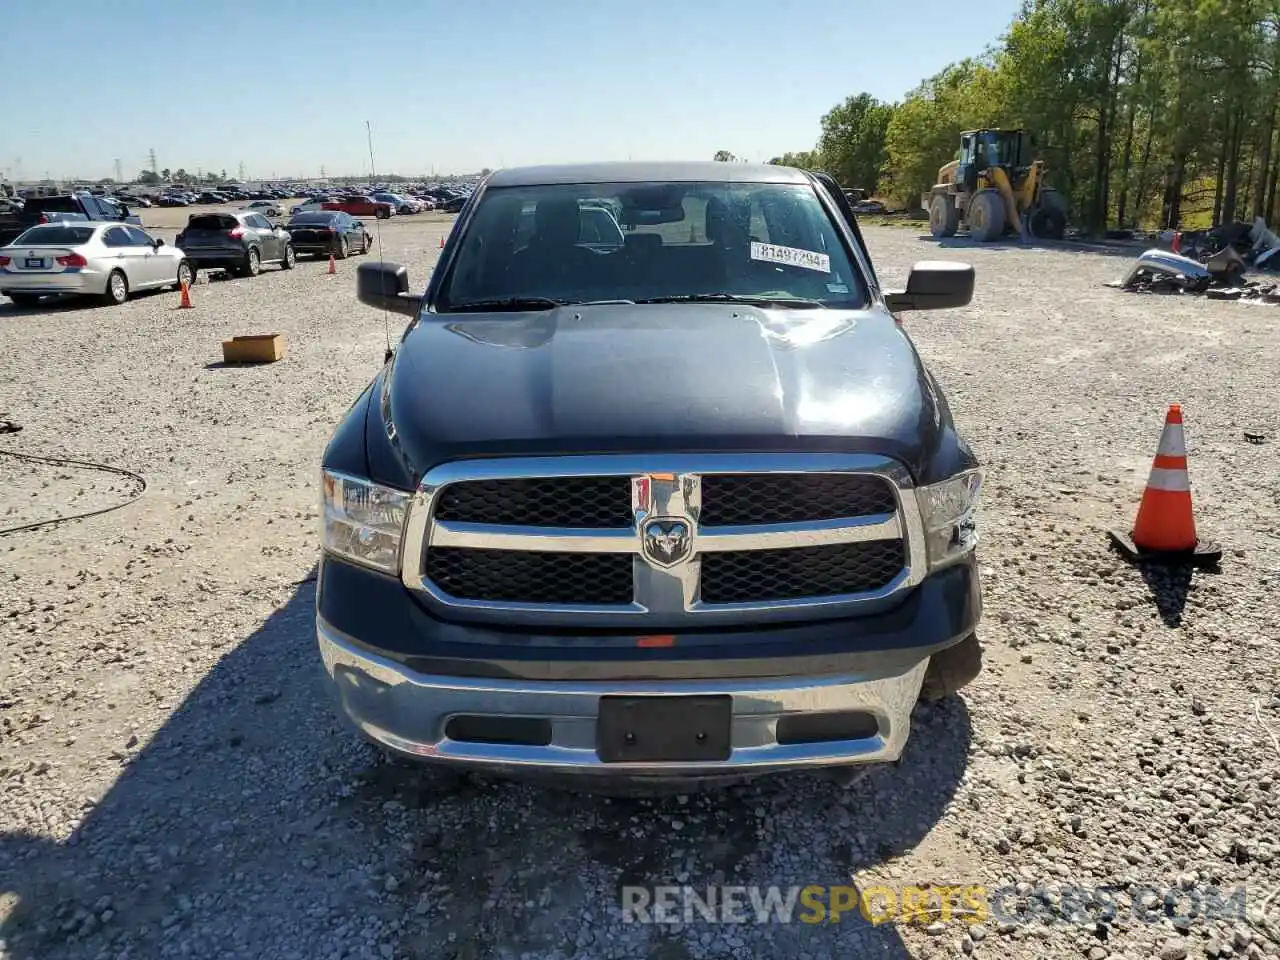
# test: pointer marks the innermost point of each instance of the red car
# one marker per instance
(359, 206)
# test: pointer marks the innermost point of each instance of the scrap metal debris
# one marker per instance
(1213, 263)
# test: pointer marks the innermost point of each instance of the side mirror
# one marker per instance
(159, 242)
(386, 286)
(933, 285)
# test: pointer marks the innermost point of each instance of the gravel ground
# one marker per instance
(174, 784)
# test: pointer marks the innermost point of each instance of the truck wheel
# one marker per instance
(944, 218)
(1049, 219)
(117, 291)
(986, 216)
(952, 669)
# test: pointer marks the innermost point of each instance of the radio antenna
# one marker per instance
(377, 229)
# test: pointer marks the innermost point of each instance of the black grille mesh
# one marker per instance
(590, 502)
(519, 576)
(745, 576)
(730, 500)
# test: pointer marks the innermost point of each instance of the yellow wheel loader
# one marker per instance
(993, 188)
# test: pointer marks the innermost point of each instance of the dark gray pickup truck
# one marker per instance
(678, 502)
(67, 206)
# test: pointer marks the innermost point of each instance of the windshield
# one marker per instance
(314, 218)
(652, 241)
(55, 235)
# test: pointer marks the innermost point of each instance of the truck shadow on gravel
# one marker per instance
(253, 824)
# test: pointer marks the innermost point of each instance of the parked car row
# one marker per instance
(111, 260)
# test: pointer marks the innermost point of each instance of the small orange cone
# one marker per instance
(333, 265)
(1165, 529)
(1177, 241)
(442, 241)
(185, 302)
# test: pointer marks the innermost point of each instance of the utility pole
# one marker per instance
(119, 171)
(151, 155)
(242, 170)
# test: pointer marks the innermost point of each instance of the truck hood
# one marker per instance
(691, 377)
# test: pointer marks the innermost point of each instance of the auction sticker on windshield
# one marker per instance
(790, 256)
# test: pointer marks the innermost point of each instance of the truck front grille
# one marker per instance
(738, 500)
(663, 541)
(595, 502)
(746, 576)
(518, 576)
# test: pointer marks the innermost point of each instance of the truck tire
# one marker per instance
(944, 218)
(1049, 219)
(952, 669)
(986, 216)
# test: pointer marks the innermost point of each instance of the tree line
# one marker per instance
(1148, 113)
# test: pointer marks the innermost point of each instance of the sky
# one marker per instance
(285, 87)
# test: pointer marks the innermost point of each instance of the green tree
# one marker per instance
(147, 177)
(724, 156)
(924, 131)
(803, 159)
(852, 143)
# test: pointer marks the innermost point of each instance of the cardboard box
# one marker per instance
(257, 348)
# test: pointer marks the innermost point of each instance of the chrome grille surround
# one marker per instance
(665, 487)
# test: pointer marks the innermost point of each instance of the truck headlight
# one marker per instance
(363, 521)
(949, 512)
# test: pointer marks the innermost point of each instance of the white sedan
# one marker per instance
(310, 206)
(107, 260)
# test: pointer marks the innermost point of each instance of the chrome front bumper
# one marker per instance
(407, 712)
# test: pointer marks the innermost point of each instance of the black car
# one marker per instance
(325, 232)
(239, 243)
(686, 503)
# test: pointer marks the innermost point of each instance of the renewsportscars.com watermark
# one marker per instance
(969, 904)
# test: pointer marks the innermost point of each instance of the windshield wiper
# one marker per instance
(797, 302)
(508, 303)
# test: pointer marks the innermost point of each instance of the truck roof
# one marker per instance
(638, 172)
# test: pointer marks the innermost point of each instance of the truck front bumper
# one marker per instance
(854, 681)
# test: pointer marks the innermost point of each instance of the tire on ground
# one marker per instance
(986, 216)
(1049, 219)
(952, 669)
(944, 218)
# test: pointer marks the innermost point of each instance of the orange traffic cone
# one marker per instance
(442, 241)
(333, 264)
(1177, 241)
(1166, 528)
(185, 302)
